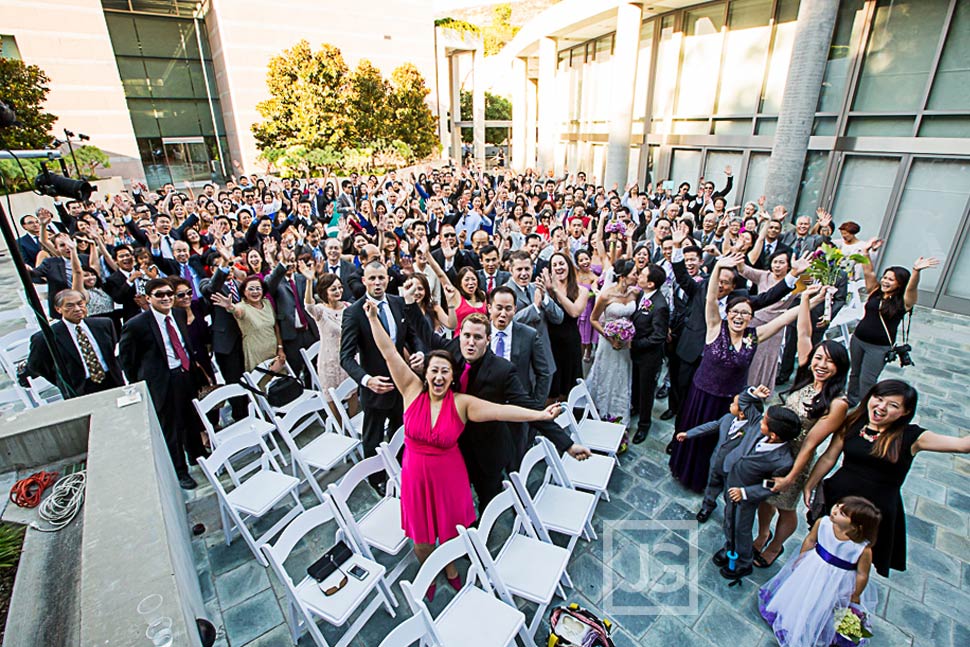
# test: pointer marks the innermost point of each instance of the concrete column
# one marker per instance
(548, 128)
(455, 93)
(813, 35)
(531, 122)
(624, 66)
(520, 121)
(443, 92)
(478, 104)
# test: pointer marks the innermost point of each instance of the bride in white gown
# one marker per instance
(610, 378)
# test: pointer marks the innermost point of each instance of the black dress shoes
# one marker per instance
(720, 558)
(186, 482)
(667, 415)
(639, 437)
(728, 574)
(704, 514)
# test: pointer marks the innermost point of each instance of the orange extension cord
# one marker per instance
(27, 492)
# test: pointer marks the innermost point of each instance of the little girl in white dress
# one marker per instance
(830, 573)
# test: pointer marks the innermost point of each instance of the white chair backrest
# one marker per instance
(397, 441)
(497, 506)
(339, 493)
(309, 356)
(221, 456)
(448, 552)
(419, 628)
(296, 530)
(290, 423)
(532, 458)
(554, 460)
(525, 499)
(580, 398)
(218, 397)
(340, 395)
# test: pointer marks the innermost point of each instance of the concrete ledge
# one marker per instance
(133, 527)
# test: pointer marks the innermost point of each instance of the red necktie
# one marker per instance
(491, 284)
(463, 380)
(176, 344)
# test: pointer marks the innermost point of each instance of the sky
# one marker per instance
(447, 5)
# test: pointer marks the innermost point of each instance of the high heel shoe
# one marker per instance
(429, 596)
(455, 582)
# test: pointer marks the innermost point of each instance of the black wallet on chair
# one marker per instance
(326, 565)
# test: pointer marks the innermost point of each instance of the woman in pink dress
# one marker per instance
(436, 496)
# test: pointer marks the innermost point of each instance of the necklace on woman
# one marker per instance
(870, 437)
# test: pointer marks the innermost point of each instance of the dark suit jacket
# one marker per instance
(123, 293)
(529, 358)
(691, 343)
(811, 242)
(501, 278)
(40, 362)
(489, 444)
(287, 303)
(763, 263)
(350, 278)
(29, 248)
(225, 329)
(141, 351)
(651, 329)
(172, 268)
(53, 271)
(748, 468)
(359, 355)
(752, 406)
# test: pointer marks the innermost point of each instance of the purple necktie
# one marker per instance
(187, 275)
(176, 344)
(296, 304)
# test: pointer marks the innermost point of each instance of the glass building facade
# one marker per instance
(163, 57)
(890, 145)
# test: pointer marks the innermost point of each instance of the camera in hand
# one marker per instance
(902, 353)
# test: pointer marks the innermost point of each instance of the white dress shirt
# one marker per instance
(507, 341)
(173, 359)
(72, 329)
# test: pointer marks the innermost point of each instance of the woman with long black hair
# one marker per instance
(878, 443)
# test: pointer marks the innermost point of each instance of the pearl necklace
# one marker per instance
(870, 437)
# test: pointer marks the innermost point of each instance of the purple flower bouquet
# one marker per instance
(621, 330)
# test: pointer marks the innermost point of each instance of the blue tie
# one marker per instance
(500, 344)
(382, 315)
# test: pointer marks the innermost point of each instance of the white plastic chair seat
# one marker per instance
(246, 425)
(261, 491)
(303, 397)
(468, 608)
(337, 608)
(381, 526)
(591, 474)
(564, 510)
(327, 450)
(530, 568)
(601, 436)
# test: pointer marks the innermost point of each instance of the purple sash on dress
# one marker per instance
(837, 562)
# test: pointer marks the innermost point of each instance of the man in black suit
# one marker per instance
(362, 360)
(772, 244)
(346, 271)
(226, 338)
(121, 284)
(183, 264)
(449, 255)
(490, 276)
(298, 330)
(85, 350)
(488, 448)
(647, 348)
(155, 347)
(29, 243)
(56, 271)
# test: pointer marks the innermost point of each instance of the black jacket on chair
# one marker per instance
(41, 363)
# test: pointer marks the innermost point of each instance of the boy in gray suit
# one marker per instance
(750, 468)
(742, 420)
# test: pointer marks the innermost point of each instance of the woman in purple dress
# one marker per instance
(730, 347)
(436, 496)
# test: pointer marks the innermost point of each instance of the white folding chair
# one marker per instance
(524, 565)
(43, 392)
(475, 617)
(253, 497)
(419, 629)
(306, 599)
(592, 474)
(378, 527)
(273, 414)
(389, 451)
(555, 506)
(323, 453)
(589, 429)
(14, 348)
(309, 356)
(253, 422)
(341, 396)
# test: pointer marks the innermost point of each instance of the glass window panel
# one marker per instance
(643, 70)
(899, 54)
(181, 118)
(133, 77)
(746, 45)
(880, 127)
(824, 126)
(865, 187)
(653, 157)
(8, 47)
(934, 198)
(161, 37)
(143, 119)
(702, 55)
(666, 77)
(153, 161)
(951, 87)
(810, 187)
(732, 127)
(766, 126)
(754, 181)
(780, 56)
(945, 126)
(837, 68)
(692, 127)
(715, 167)
(170, 78)
(685, 166)
(121, 30)
(959, 282)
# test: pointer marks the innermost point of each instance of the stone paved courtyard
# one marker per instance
(654, 552)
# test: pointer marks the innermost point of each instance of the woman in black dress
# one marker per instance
(879, 442)
(567, 346)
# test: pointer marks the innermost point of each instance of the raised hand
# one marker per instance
(222, 301)
(307, 270)
(680, 233)
(872, 245)
(370, 309)
(407, 291)
(761, 391)
(762, 200)
(730, 260)
(799, 265)
(925, 263)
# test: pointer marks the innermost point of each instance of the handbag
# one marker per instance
(335, 557)
(283, 389)
(816, 509)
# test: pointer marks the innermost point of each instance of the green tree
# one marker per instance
(367, 105)
(91, 159)
(413, 122)
(24, 87)
(308, 99)
(497, 108)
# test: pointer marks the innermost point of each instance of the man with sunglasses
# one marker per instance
(155, 347)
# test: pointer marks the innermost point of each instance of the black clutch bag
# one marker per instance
(326, 565)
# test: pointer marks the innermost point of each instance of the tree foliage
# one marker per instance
(497, 108)
(91, 159)
(322, 115)
(24, 87)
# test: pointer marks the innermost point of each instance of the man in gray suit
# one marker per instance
(533, 307)
(750, 468)
(799, 239)
(490, 276)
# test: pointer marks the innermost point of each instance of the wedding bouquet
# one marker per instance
(615, 227)
(852, 627)
(826, 263)
(621, 330)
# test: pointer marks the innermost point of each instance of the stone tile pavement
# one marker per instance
(655, 580)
